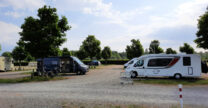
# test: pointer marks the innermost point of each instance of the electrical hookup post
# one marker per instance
(180, 94)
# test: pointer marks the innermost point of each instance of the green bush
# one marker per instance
(110, 61)
(22, 64)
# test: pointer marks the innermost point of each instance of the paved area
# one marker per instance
(99, 86)
(12, 75)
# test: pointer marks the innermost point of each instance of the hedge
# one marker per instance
(22, 63)
(119, 62)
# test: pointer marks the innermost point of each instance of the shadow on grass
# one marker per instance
(172, 81)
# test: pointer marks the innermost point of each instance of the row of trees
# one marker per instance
(136, 49)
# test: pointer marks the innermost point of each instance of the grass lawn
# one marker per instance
(168, 81)
(28, 79)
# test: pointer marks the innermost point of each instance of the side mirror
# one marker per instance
(143, 67)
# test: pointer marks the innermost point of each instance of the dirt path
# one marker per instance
(99, 86)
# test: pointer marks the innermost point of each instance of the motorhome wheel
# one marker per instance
(177, 76)
(133, 74)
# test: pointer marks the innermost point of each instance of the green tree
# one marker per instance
(81, 54)
(202, 33)
(19, 54)
(155, 48)
(187, 49)
(0, 47)
(7, 54)
(115, 55)
(66, 52)
(91, 46)
(135, 49)
(106, 53)
(42, 36)
(170, 51)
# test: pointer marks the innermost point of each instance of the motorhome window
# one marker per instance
(139, 63)
(186, 61)
(131, 62)
(159, 62)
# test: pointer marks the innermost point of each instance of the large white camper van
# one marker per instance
(6, 64)
(170, 65)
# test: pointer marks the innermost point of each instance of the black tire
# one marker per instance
(177, 76)
(133, 74)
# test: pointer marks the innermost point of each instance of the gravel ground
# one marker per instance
(12, 75)
(99, 86)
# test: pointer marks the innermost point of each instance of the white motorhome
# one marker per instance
(169, 65)
(6, 64)
(132, 61)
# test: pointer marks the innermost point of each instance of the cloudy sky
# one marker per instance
(113, 22)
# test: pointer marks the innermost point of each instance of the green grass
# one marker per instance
(166, 81)
(27, 73)
(28, 79)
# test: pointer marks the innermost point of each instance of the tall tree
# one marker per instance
(81, 54)
(155, 47)
(42, 36)
(66, 52)
(106, 53)
(91, 46)
(170, 51)
(0, 47)
(135, 49)
(202, 33)
(19, 54)
(187, 49)
(7, 54)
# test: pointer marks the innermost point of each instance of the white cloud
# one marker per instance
(23, 4)
(14, 14)
(8, 34)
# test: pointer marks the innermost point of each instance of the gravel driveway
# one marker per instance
(99, 86)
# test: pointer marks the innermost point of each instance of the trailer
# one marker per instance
(167, 65)
(66, 64)
(6, 64)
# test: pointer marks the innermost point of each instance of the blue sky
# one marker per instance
(113, 22)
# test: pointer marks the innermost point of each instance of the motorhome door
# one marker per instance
(188, 69)
(139, 67)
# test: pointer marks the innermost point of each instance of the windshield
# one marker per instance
(78, 61)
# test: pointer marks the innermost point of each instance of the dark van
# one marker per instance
(64, 64)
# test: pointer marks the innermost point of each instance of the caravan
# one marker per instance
(169, 65)
(6, 64)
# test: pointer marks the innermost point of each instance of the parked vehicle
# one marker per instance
(65, 64)
(169, 65)
(95, 63)
(6, 64)
(132, 61)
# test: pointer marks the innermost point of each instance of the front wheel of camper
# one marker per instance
(133, 74)
(177, 76)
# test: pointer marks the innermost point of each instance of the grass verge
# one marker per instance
(28, 79)
(166, 81)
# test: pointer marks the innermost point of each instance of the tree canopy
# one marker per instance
(135, 49)
(7, 54)
(186, 49)
(155, 47)
(91, 46)
(19, 53)
(106, 52)
(202, 33)
(170, 51)
(42, 36)
(66, 52)
(81, 54)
